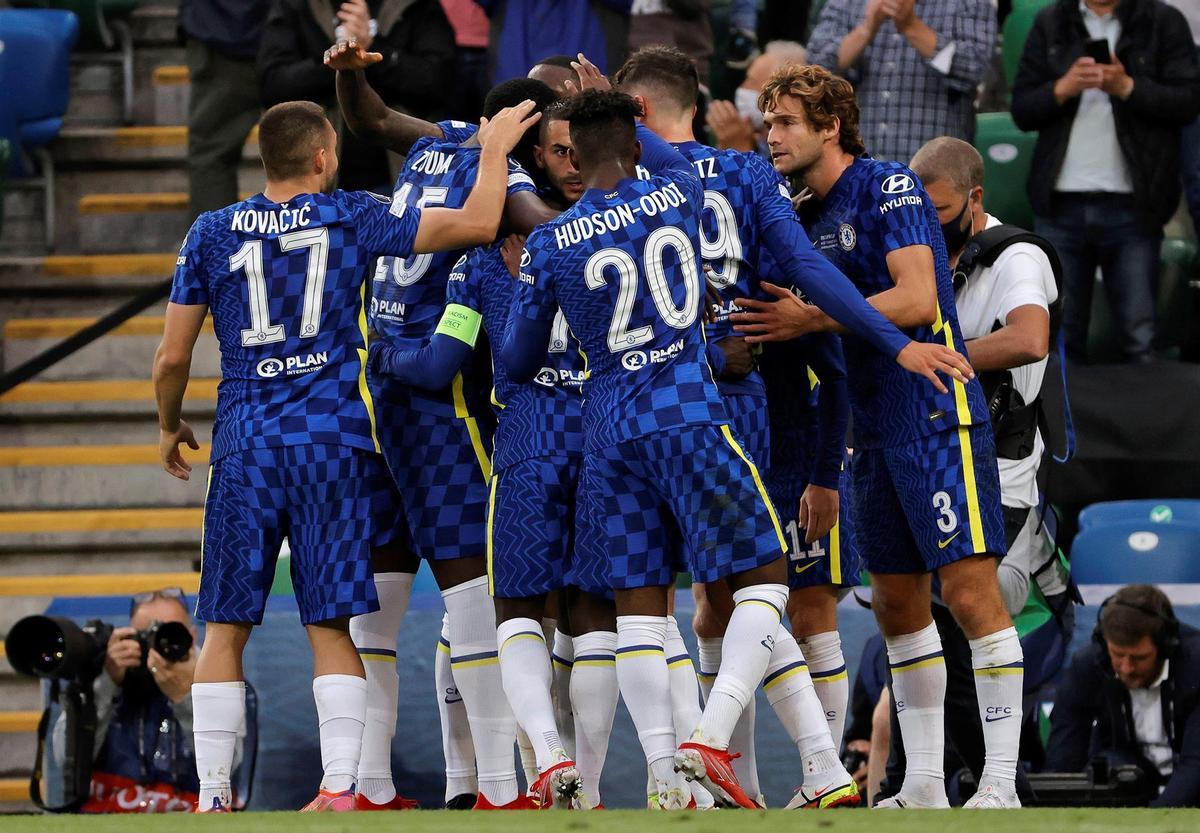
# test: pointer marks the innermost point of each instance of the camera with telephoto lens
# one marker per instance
(57, 648)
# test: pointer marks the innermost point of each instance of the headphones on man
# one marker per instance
(1167, 638)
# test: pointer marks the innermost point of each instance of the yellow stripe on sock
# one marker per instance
(830, 679)
(759, 602)
(475, 663)
(443, 647)
(679, 662)
(376, 658)
(647, 653)
(593, 662)
(923, 664)
(536, 636)
(996, 672)
(787, 675)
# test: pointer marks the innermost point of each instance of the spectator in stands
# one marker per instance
(419, 55)
(470, 25)
(1190, 145)
(683, 24)
(144, 760)
(1108, 85)
(524, 31)
(781, 20)
(1133, 694)
(915, 67)
(222, 39)
(738, 125)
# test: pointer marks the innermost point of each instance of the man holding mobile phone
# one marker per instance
(1108, 85)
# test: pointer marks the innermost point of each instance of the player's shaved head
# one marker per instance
(662, 74)
(289, 135)
(511, 93)
(603, 126)
(950, 160)
(555, 71)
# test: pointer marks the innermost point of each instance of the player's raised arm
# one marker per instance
(478, 221)
(172, 367)
(364, 111)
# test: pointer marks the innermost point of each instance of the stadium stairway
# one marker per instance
(85, 509)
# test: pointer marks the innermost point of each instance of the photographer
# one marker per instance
(144, 761)
(1133, 695)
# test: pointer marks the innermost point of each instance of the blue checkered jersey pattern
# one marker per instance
(456, 132)
(544, 417)
(625, 268)
(873, 209)
(408, 292)
(285, 283)
(743, 194)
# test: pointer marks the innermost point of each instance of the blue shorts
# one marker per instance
(689, 492)
(748, 419)
(439, 455)
(928, 503)
(831, 559)
(531, 526)
(322, 498)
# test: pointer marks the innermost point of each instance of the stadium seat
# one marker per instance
(36, 78)
(103, 27)
(1007, 152)
(1136, 552)
(1167, 511)
(1015, 31)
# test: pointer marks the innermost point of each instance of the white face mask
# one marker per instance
(746, 102)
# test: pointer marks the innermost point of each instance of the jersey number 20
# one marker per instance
(620, 336)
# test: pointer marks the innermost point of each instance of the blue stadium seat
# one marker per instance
(36, 78)
(1166, 511)
(1137, 552)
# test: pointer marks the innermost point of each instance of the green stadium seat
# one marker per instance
(1015, 31)
(1007, 152)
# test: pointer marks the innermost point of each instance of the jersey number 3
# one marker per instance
(249, 258)
(620, 336)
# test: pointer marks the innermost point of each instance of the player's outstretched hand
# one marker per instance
(168, 450)
(929, 360)
(590, 76)
(818, 512)
(785, 318)
(507, 127)
(348, 56)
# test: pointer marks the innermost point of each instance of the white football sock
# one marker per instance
(218, 720)
(745, 653)
(741, 740)
(474, 660)
(457, 748)
(999, 665)
(342, 714)
(790, 692)
(709, 657)
(375, 636)
(646, 688)
(919, 692)
(594, 695)
(525, 670)
(827, 666)
(561, 659)
(685, 691)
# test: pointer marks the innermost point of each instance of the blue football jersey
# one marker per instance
(285, 283)
(408, 292)
(875, 208)
(625, 268)
(457, 132)
(541, 418)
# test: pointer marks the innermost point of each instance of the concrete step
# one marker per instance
(172, 91)
(126, 351)
(70, 276)
(178, 557)
(77, 477)
(100, 529)
(143, 146)
(19, 693)
(95, 399)
(157, 219)
(98, 584)
(84, 430)
(155, 24)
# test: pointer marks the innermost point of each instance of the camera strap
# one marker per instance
(35, 778)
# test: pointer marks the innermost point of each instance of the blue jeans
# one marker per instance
(1101, 230)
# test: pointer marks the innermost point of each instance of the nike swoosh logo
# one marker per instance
(943, 544)
(800, 569)
(991, 719)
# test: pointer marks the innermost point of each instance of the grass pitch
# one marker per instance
(633, 821)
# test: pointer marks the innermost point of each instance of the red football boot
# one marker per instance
(711, 767)
(327, 802)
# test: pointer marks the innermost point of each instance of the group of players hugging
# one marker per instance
(576, 353)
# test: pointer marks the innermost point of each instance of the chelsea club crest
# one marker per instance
(846, 237)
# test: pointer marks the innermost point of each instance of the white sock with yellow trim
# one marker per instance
(646, 688)
(594, 695)
(561, 660)
(375, 636)
(999, 665)
(525, 669)
(745, 652)
(827, 665)
(685, 690)
(474, 660)
(919, 691)
(741, 740)
(457, 747)
(790, 692)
